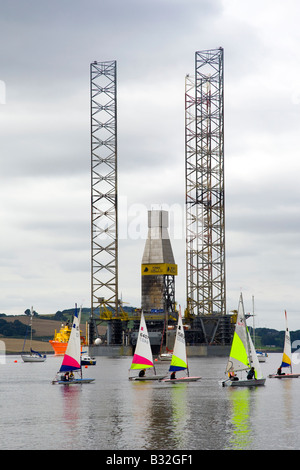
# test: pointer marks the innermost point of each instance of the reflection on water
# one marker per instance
(287, 401)
(180, 414)
(169, 412)
(240, 409)
(114, 413)
(70, 410)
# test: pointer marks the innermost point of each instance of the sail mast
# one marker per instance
(287, 351)
(31, 314)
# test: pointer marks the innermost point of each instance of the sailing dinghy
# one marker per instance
(286, 357)
(179, 357)
(33, 356)
(142, 358)
(242, 355)
(72, 359)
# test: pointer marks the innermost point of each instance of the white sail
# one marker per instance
(179, 361)
(254, 359)
(287, 351)
(142, 358)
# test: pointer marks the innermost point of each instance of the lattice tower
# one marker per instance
(104, 202)
(205, 211)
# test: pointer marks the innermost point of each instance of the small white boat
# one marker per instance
(88, 361)
(32, 356)
(242, 356)
(179, 357)
(262, 357)
(165, 357)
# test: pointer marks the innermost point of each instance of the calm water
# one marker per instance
(116, 414)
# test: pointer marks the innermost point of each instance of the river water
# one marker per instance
(114, 413)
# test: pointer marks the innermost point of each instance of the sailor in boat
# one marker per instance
(68, 376)
(232, 376)
(279, 371)
(173, 375)
(142, 373)
(251, 374)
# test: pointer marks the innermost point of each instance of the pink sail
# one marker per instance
(140, 361)
(72, 360)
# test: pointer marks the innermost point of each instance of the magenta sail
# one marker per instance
(72, 359)
(141, 361)
(69, 364)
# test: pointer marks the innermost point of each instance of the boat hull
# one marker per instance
(181, 379)
(149, 377)
(58, 347)
(33, 358)
(72, 382)
(244, 383)
(285, 376)
(165, 357)
(88, 361)
(262, 359)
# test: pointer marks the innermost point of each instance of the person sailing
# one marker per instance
(279, 371)
(232, 376)
(251, 374)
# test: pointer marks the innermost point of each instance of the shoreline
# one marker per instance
(15, 346)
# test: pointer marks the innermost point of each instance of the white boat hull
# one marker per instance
(284, 376)
(149, 377)
(165, 357)
(33, 358)
(181, 379)
(244, 383)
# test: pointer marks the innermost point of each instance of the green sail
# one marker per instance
(238, 354)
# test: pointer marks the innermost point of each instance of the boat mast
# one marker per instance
(253, 321)
(288, 339)
(31, 313)
(247, 333)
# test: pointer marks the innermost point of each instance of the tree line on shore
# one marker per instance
(265, 338)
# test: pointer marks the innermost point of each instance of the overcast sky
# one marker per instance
(45, 54)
